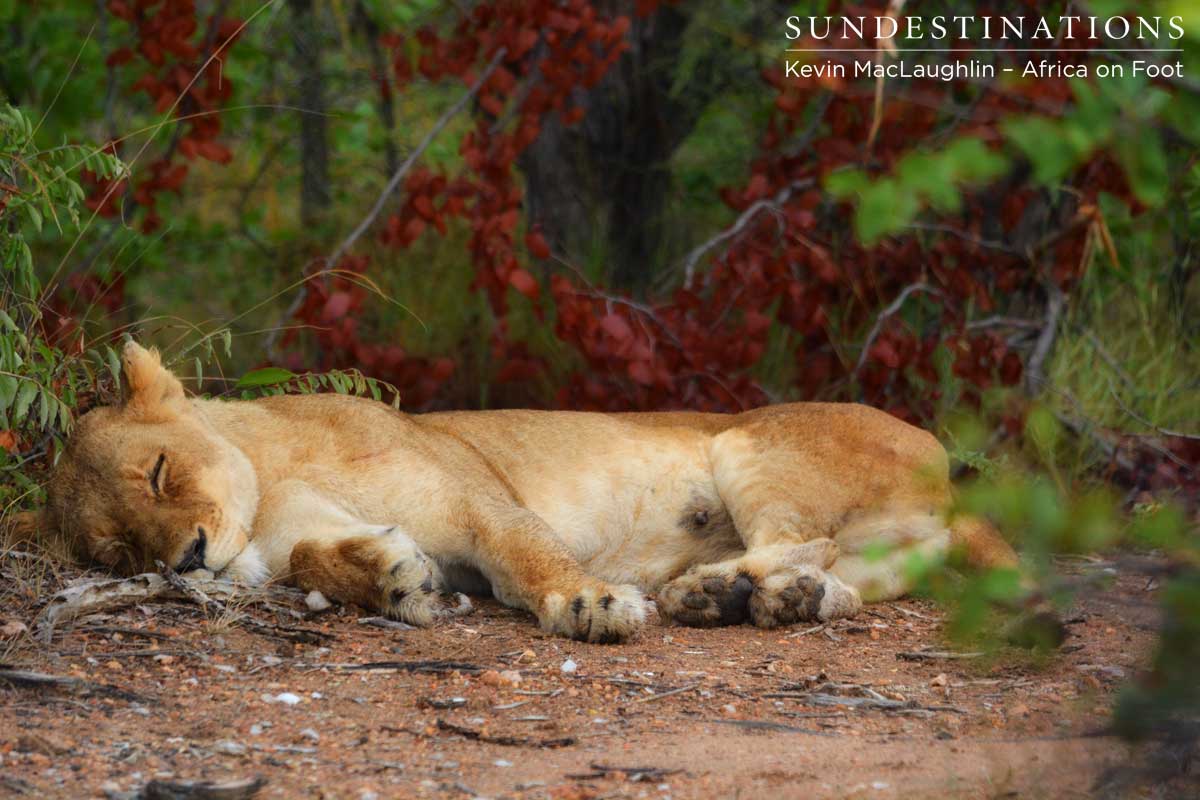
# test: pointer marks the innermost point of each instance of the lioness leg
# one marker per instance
(529, 567)
(790, 489)
(306, 538)
(385, 571)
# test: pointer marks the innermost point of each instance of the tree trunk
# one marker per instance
(602, 186)
(314, 143)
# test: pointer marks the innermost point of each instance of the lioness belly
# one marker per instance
(639, 515)
(634, 502)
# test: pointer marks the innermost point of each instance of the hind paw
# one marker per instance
(729, 595)
(706, 601)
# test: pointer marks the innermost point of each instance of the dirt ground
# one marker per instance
(809, 712)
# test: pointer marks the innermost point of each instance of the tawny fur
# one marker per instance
(765, 517)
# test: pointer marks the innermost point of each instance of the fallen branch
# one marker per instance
(38, 680)
(93, 595)
(434, 667)
(201, 790)
(506, 741)
(857, 696)
(191, 592)
(632, 774)
(766, 725)
(680, 690)
(935, 655)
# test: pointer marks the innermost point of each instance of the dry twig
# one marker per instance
(39, 680)
(506, 741)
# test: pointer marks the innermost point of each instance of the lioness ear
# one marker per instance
(148, 384)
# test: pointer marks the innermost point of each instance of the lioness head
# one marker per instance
(151, 480)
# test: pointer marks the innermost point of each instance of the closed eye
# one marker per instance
(156, 474)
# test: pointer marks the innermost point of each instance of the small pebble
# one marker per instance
(568, 667)
(228, 748)
(286, 698)
(316, 601)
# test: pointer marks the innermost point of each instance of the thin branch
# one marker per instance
(1161, 431)
(398, 176)
(887, 314)
(689, 264)
(1004, 322)
(391, 186)
(967, 236)
(1034, 372)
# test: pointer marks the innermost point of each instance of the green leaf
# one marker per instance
(25, 394)
(1145, 163)
(267, 376)
(845, 183)
(44, 398)
(35, 216)
(1043, 143)
(8, 391)
(114, 364)
(885, 207)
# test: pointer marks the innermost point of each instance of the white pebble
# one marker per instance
(283, 697)
(500, 762)
(316, 601)
(569, 666)
(228, 748)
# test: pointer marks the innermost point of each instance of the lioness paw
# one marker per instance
(408, 590)
(600, 612)
(723, 594)
(801, 594)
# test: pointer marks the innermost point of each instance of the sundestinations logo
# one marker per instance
(852, 46)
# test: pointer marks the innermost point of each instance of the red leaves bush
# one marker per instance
(181, 56)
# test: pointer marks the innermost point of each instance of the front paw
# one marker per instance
(408, 590)
(598, 612)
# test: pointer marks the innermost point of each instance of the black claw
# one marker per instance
(577, 606)
(606, 601)
(813, 607)
(693, 619)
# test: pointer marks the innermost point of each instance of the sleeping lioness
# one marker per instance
(761, 517)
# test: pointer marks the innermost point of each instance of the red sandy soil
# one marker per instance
(1000, 727)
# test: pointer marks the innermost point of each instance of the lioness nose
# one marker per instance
(194, 558)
